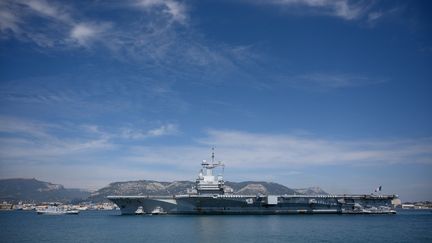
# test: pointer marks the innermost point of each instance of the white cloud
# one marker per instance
(32, 140)
(284, 151)
(58, 22)
(175, 10)
(47, 9)
(374, 16)
(28, 140)
(345, 9)
(153, 39)
(320, 81)
(164, 130)
(278, 150)
(84, 33)
(9, 22)
(381, 14)
(18, 126)
(34, 149)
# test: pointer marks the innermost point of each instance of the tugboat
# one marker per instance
(139, 211)
(158, 211)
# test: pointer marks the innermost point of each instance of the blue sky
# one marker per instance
(324, 93)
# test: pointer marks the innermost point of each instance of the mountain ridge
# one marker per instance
(20, 189)
(153, 188)
(33, 190)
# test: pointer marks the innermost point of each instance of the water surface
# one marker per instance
(109, 226)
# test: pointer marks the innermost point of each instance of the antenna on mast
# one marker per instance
(213, 156)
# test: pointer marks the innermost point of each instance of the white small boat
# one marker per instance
(72, 212)
(158, 211)
(139, 211)
(82, 208)
(54, 210)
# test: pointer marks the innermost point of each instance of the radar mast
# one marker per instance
(206, 182)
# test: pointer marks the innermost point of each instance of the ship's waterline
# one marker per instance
(211, 196)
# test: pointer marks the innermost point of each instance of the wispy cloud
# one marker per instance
(32, 140)
(276, 150)
(379, 14)
(374, 16)
(43, 149)
(61, 25)
(22, 139)
(345, 9)
(154, 34)
(96, 91)
(175, 10)
(57, 25)
(84, 33)
(163, 130)
(238, 147)
(327, 81)
(285, 152)
(162, 42)
(47, 9)
(8, 21)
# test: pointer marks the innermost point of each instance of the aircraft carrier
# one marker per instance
(211, 196)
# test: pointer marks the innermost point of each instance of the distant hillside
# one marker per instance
(259, 187)
(147, 187)
(32, 190)
(311, 191)
(141, 187)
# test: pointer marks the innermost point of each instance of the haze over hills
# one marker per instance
(147, 187)
(32, 190)
(311, 191)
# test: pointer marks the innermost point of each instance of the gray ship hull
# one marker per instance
(211, 196)
(251, 204)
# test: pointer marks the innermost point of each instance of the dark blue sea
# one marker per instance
(109, 226)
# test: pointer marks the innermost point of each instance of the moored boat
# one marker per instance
(55, 210)
(158, 211)
(139, 211)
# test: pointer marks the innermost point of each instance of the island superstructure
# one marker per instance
(211, 196)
